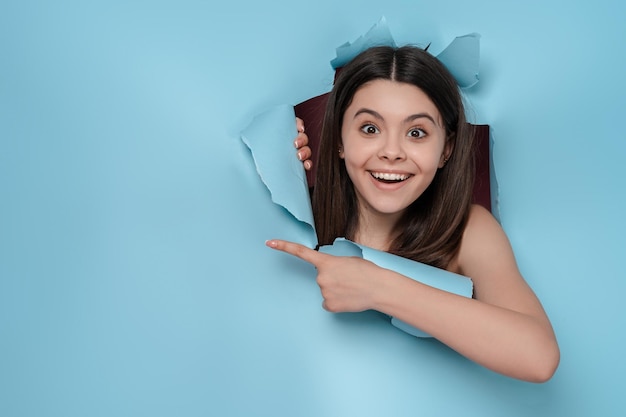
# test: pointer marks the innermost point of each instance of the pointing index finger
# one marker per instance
(300, 251)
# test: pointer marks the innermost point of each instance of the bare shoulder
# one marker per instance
(486, 256)
(480, 218)
(483, 238)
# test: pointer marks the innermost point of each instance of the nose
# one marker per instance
(391, 149)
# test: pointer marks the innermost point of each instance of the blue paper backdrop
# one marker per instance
(133, 275)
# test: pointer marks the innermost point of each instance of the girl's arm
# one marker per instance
(504, 327)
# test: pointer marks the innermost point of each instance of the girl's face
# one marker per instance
(393, 143)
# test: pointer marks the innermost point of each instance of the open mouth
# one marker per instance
(389, 178)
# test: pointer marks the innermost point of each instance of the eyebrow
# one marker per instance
(406, 120)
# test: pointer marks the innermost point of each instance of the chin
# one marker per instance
(389, 210)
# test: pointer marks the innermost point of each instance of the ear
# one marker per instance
(341, 155)
(447, 152)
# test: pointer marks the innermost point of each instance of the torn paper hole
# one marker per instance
(269, 138)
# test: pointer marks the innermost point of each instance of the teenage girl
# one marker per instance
(395, 173)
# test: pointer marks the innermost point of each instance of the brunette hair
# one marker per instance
(431, 229)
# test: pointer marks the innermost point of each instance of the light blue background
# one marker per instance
(133, 275)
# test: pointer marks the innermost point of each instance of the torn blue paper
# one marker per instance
(461, 57)
(378, 35)
(270, 139)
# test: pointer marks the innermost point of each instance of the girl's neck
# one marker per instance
(375, 230)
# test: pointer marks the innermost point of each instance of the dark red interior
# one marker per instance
(312, 112)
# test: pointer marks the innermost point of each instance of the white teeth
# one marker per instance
(389, 177)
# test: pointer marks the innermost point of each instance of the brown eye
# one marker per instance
(369, 129)
(416, 133)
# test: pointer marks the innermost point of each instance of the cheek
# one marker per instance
(426, 160)
(351, 169)
(355, 153)
(354, 167)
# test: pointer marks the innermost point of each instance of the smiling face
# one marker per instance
(393, 142)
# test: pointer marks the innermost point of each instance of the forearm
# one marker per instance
(506, 341)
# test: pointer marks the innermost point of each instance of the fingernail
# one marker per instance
(270, 243)
(296, 143)
(300, 156)
(307, 164)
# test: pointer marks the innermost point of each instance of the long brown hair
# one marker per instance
(431, 228)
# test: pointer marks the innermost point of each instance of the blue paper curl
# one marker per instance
(461, 57)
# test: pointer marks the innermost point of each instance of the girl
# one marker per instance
(395, 172)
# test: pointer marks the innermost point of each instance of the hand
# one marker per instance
(301, 143)
(346, 283)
